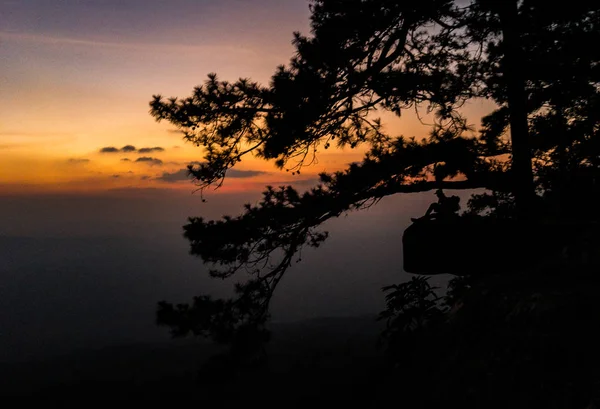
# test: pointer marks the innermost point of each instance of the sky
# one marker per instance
(92, 189)
(76, 77)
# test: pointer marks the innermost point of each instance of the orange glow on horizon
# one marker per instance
(71, 93)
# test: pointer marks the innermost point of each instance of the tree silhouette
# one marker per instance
(536, 154)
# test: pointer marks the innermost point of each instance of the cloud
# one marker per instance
(9, 145)
(238, 174)
(181, 174)
(297, 182)
(149, 160)
(150, 150)
(32, 134)
(168, 47)
(116, 176)
(125, 160)
(131, 148)
(128, 148)
(78, 160)
(235, 173)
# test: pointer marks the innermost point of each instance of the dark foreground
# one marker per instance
(520, 342)
(333, 360)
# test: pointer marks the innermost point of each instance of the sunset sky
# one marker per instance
(77, 75)
(92, 192)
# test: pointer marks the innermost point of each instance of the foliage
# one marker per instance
(411, 306)
(527, 341)
(429, 57)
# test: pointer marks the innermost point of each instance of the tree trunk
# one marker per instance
(522, 173)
